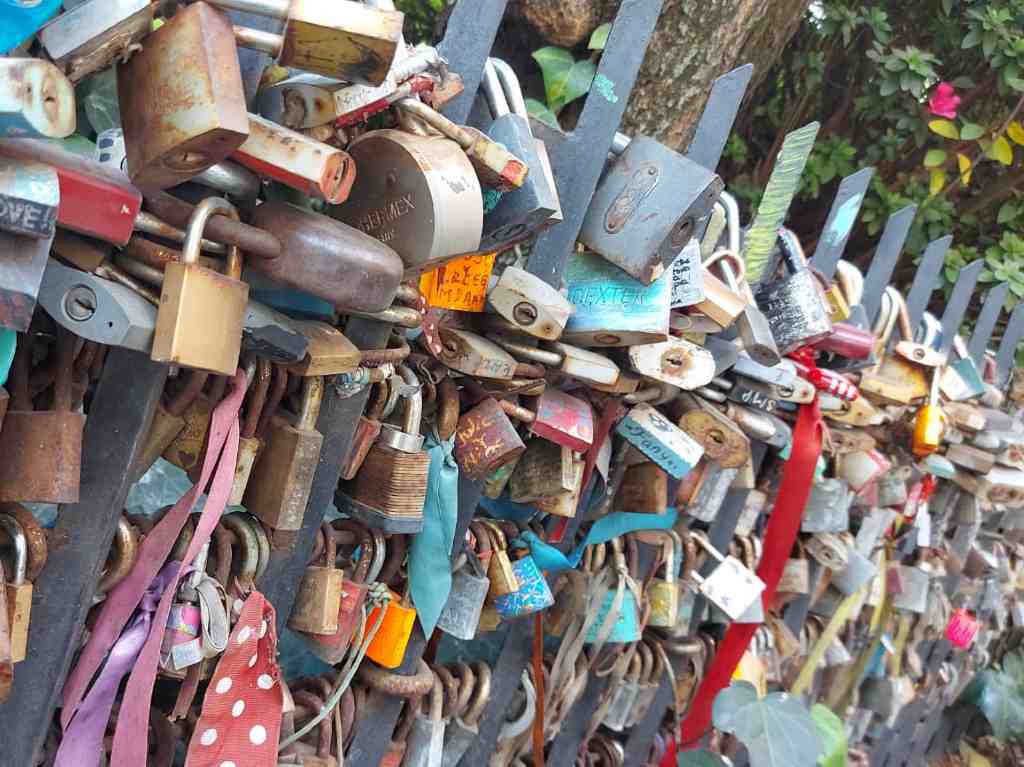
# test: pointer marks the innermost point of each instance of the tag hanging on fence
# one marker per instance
(460, 284)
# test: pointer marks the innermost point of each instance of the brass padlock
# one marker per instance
(41, 451)
(723, 441)
(677, 362)
(564, 502)
(249, 443)
(282, 478)
(18, 588)
(186, 449)
(499, 571)
(663, 593)
(316, 604)
(644, 489)
(544, 470)
(199, 323)
(182, 102)
(169, 421)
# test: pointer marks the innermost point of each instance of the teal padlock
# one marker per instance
(533, 594)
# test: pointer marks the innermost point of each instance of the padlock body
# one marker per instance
(895, 381)
(564, 502)
(93, 35)
(342, 39)
(283, 476)
(530, 303)
(486, 440)
(316, 605)
(423, 198)
(501, 574)
(796, 577)
(388, 646)
(182, 103)
(199, 324)
(542, 471)
(626, 626)
(21, 274)
(660, 440)
(391, 485)
(828, 507)
(621, 707)
(564, 419)
(677, 362)
(29, 196)
(186, 448)
(612, 308)
(248, 449)
(648, 204)
(458, 737)
(533, 594)
(41, 456)
(644, 489)
(162, 431)
(331, 648)
(795, 310)
(663, 597)
(526, 210)
(929, 426)
(461, 613)
(19, 610)
(367, 431)
(426, 743)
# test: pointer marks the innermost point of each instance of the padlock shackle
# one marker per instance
(447, 418)
(413, 413)
(791, 249)
(435, 710)
(258, 40)
(312, 397)
(147, 223)
(211, 206)
(247, 544)
(493, 91)
(17, 572)
(63, 384)
(230, 178)
(732, 219)
(256, 399)
(511, 88)
(436, 120)
(481, 694)
(277, 9)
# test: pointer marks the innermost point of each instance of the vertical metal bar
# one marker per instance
(1008, 346)
(119, 418)
(718, 117)
(577, 158)
(927, 277)
(956, 306)
(841, 218)
(884, 261)
(466, 45)
(796, 611)
(641, 736)
(986, 323)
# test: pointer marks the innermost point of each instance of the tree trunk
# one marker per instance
(695, 42)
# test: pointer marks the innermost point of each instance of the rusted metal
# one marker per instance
(412, 686)
(256, 243)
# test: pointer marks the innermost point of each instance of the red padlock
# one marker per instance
(962, 629)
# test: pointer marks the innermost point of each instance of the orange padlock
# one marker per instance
(388, 646)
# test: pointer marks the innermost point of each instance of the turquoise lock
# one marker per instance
(533, 594)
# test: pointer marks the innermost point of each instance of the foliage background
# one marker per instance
(866, 71)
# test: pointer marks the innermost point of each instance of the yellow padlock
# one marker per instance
(930, 424)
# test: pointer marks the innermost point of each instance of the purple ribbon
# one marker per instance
(82, 744)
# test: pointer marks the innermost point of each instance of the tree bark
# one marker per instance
(695, 42)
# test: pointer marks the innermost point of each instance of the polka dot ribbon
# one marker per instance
(240, 723)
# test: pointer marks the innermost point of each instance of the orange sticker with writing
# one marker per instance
(460, 284)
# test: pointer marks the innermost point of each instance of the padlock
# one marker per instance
(563, 503)
(663, 593)
(461, 613)
(186, 449)
(895, 379)
(320, 754)
(169, 422)
(677, 362)
(316, 604)
(18, 588)
(426, 738)
(612, 308)
(329, 352)
(794, 305)
(619, 556)
(722, 304)
(650, 679)
(558, 417)
(625, 221)
(500, 571)
(722, 440)
(730, 586)
(929, 423)
(796, 573)
(202, 311)
(520, 212)
(530, 304)
(486, 440)
(463, 729)
(660, 440)
(29, 198)
(892, 487)
(581, 364)
(544, 469)
(390, 489)
(179, 121)
(331, 647)
(36, 99)
(532, 595)
(282, 478)
(93, 35)
(388, 646)
(920, 354)
(971, 458)
(494, 483)
(41, 451)
(474, 355)
(352, 41)
(644, 489)
(249, 443)
(423, 198)
(297, 161)
(624, 695)
(829, 550)
(913, 597)
(828, 507)
(858, 572)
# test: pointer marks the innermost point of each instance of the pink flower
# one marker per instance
(944, 101)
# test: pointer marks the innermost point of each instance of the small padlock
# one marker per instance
(730, 586)
(794, 305)
(914, 595)
(623, 626)
(41, 451)
(282, 477)
(502, 575)
(249, 444)
(723, 441)
(857, 573)
(612, 308)
(202, 312)
(558, 417)
(677, 362)
(660, 440)
(388, 646)
(581, 364)
(180, 122)
(829, 550)
(390, 489)
(892, 487)
(29, 197)
(474, 355)
(563, 503)
(796, 573)
(544, 469)
(486, 440)
(169, 421)
(316, 604)
(529, 303)
(828, 507)
(414, 175)
(532, 595)
(929, 423)
(18, 588)
(663, 593)
(186, 449)
(644, 489)
(650, 680)
(461, 613)
(426, 738)
(36, 99)
(626, 221)
(624, 695)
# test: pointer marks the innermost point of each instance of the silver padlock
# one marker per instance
(914, 597)
(425, 743)
(460, 616)
(530, 304)
(95, 34)
(892, 487)
(624, 696)
(795, 306)
(858, 572)
(677, 362)
(730, 586)
(828, 507)
(687, 276)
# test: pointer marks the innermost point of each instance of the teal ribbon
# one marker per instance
(430, 576)
(8, 343)
(552, 560)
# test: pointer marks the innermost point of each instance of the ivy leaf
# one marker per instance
(777, 730)
(936, 181)
(971, 131)
(830, 727)
(599, 37)
(541, 113)
(701, 758)
(934, 157)
(1016, 132)
(944, 128)
(1007, 212)
(1001, 151)
(565, 79)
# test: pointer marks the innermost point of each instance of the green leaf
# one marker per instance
(541, 113)
(988, 43)
(889, 86)
(997, 696)
(944, 128)
(947, 6)
(936, 181)
(830, 727)
(971, 39)
(777, 730)
(971, 131)
(934, 157)
(1001, 151)
(599, 37)
(1016, 83)
(1007, 212)
(565, 79)
(700, 758)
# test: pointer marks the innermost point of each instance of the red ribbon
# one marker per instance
(780, 535)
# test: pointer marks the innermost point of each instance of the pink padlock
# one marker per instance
(962, 629)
